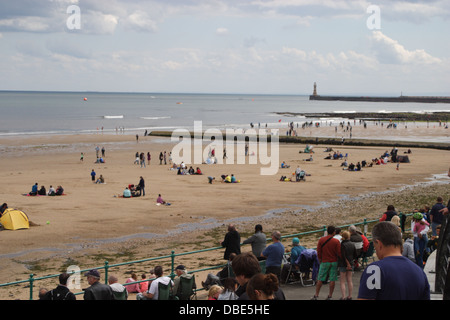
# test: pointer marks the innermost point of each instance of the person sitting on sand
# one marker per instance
(126, 193)
(51, 191)
(34, 190)
(351, 167)
(181, 171)
(100, 179)
(310, 158)
(284, 165)
(198, 171)
(59, 191)
(233, 179)
(160, 200)
(42, 191)
(3, 208)
(191, 170)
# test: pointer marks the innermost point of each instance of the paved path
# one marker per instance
(296, 291)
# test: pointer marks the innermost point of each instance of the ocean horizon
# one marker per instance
(75, 112)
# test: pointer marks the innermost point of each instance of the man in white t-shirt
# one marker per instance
(152, 293)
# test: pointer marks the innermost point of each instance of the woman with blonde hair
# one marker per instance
(396, 220)
(214, 292)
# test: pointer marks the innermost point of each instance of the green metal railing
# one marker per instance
(32, 279)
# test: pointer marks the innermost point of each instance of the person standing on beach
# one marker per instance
(141, 187)
(93, 175)
(142, 159)
(82, 157)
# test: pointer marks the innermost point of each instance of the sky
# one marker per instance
(350, 47)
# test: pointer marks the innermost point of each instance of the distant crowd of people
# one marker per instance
(42, 191)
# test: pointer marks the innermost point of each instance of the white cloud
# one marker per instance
(95, 22)
(28, 24)
(390, 51)
(140, 21)
(221, 31)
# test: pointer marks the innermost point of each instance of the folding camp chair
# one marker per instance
(369, 254)
(293, 275)
(187, 288)
(121, 295)
(163, 291)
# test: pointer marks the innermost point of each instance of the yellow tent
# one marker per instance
(13, 219)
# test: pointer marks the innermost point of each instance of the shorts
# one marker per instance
(328, 271)
(344, 269)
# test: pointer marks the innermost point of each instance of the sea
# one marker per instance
(47, 113)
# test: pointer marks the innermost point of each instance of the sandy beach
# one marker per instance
(91, 223)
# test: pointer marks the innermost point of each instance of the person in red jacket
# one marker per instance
(328, 251)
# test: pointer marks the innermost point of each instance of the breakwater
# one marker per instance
(419, 99)
(373, 116)
(330, 141)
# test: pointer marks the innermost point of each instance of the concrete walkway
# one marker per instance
(295, 291)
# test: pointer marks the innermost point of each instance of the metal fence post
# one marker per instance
(172, 268)
(106, 271)
(31, 285)
(365, 226)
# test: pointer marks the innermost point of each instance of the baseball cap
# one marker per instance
(92, 273)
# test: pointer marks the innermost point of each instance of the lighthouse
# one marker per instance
(315, 89)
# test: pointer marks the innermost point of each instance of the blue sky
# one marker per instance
(218, 46)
